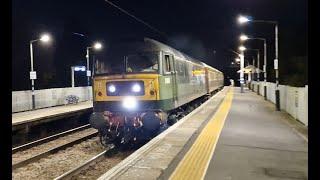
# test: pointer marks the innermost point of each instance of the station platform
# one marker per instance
(38, 116)
(233, 135)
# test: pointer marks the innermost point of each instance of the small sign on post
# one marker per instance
(276, 64)
(33, 75)
(264, 68)
(88, 73)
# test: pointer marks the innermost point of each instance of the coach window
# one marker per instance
(166, 64)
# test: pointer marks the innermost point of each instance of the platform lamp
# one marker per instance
(45, 38)
(245, 38)
(242, 49)
(96, 46)
(244, 20)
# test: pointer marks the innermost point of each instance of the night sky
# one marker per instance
(203, 29)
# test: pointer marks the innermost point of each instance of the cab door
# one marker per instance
(170, 70)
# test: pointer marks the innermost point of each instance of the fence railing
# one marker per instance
(293, 100)
(22, 100)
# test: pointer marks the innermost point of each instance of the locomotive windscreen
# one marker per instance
(118, 63)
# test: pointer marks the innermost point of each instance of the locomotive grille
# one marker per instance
(125, 88)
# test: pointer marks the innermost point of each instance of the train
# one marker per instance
(143, 86)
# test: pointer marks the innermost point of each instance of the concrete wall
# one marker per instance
(293, 100)
(21, 100)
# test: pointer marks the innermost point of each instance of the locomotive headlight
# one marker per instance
(112, 88)
(136, 88)
(129, 103)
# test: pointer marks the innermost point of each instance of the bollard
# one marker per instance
(258, 89)
(277, 100)
(265, 92)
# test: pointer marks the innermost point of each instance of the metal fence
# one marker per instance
(293, 100)
(21, 100)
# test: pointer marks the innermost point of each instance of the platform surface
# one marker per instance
(233, 136)
(258, 142)
(39, 114)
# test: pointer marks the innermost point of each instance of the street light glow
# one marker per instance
(243, 37)
(97, 46)
(237, 59)
(243, 19)
(45, 38)
(242, 48)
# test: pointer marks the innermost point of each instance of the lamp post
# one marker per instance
(241, 60)
(244, 38)
(96, 46)
(258, 64)
(33, 74)
(242, 20)
(242, 49)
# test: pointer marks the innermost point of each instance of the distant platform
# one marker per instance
(21, 119)
(232, 136)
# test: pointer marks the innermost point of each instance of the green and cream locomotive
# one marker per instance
(142, 86)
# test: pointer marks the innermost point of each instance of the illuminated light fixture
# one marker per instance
(45, 38)
(129, 103)
(136, 88)
(243, 37)
(97, 46)
(243, 19)
(242, 48)
(237, 59)
(79, 68)
(112, 88)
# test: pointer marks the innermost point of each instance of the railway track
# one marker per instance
(49, 138)
(28, 156)
(97, 165)
(87, 160)
(78, 169)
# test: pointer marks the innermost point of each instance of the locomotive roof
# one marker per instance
(148, 44)
(163, 47)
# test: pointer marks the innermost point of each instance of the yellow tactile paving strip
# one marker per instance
(195, 163)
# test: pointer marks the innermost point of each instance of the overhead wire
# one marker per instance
(136, 18)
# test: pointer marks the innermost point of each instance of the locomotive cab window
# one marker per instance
(166, 64)
(142, 62)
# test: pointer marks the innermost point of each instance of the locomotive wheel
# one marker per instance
(172, 119)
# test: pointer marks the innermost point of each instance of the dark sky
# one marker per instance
(203, 29)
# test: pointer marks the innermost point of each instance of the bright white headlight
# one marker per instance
(112, 88)
(129, 103)
(136, 88)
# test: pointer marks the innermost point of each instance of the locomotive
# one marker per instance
(143, 86)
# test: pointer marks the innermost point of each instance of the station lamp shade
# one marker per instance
(45, 38)
(242, 48)
(243, 37)
(243, 19)
(97, 46)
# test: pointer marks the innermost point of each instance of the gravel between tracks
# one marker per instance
(61, 162)
(23, 155)
(96, 170)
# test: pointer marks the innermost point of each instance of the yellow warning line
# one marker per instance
(195, 163)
